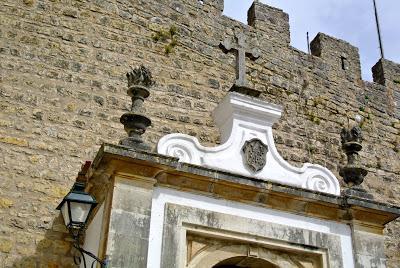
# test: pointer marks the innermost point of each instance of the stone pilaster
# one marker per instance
(368, 247)
(128, 236)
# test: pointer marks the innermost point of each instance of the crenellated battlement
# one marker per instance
(387, 73)
(343, 59)
(217, 5)
(270, 20)
(341, 55)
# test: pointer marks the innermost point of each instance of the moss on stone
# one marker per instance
(169, 36)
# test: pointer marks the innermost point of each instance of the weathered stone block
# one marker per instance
(130, 223)
(6, 245)
(14, 141)
(6, 203)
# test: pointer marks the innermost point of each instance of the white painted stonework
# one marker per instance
(164, 196)
(242, 118)
(92, 237)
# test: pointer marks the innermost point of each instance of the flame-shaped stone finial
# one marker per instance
(135, 122)
(353, 173)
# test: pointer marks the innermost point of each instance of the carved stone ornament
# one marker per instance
(354, 172)
(246, 138)
(241, 49)
(140, 76)
(255, 154)
(135, 121)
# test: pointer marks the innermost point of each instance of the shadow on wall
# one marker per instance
(53, 249)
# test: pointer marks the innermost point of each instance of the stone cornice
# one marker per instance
(168, 172)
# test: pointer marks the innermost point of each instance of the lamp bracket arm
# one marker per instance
(103, 263)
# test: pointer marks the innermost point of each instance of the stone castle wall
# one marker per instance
(63, 89)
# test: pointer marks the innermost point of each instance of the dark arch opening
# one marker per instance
(244, 262)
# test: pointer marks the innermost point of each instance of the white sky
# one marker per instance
(350, 20)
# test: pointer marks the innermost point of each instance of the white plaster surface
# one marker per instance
(92, 238)
(242, 118)
(162, 196)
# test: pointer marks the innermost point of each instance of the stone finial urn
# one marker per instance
(353, 173)
(135, 122)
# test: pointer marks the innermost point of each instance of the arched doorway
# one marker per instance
(226, 255)
(244, 262)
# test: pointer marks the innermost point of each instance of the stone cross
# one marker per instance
(242, 50)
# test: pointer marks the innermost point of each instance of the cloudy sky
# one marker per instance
(351, 20)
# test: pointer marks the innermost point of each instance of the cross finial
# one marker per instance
(242, 50)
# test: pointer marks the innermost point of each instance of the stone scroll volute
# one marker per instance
(245, 121)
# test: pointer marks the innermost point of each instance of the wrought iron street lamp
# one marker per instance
(76, 208)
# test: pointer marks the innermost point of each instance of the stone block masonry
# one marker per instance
(63, 90)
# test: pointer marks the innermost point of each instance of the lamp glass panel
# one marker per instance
(79, 212)
(65, 214)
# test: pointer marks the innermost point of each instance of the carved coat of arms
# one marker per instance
(255, 154)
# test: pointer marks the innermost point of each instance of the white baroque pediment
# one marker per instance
(244, 119)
